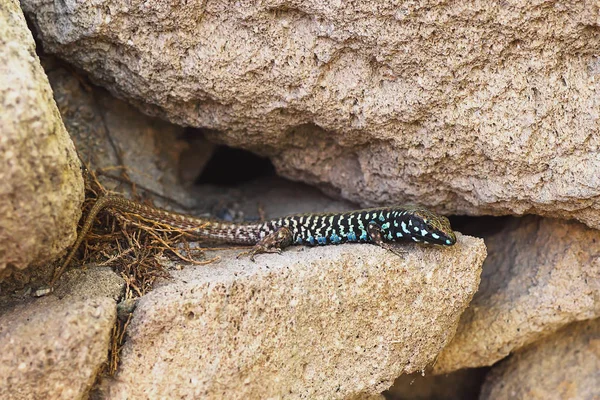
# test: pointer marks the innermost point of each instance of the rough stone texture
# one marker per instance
(115, 139)
(331, 322)
(565, 366)
(90, 282)
(53, 347)
(41, 189)
(469, 107)
(540, 275)
(460, 385)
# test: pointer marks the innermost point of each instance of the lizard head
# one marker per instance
(426, 226)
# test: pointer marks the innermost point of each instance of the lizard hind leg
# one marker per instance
(272, 243)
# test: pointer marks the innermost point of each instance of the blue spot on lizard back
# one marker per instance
(334, 238)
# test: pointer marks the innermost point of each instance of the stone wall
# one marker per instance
(475, 110)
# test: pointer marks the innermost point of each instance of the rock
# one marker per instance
(113, 137)
(331, 322)
(90, 282)
(41, 188)
(563, 366)
(469, 108)
(460, 385)
(540, 275)
(54, 348)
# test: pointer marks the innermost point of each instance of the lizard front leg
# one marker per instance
(272, 243)
(376, 233)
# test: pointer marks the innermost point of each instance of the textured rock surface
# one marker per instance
(53, 347)
(115, 138)
(565, 366)
(470, 107)
(540, 275)
(41, 188)
(330, 322)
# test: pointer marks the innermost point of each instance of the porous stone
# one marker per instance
(54, 347)
(563, 366)
(41, 188)
(90, 282)
(332, 322)
(540, 275)
(468, 107)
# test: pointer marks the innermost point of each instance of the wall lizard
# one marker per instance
(380, 226)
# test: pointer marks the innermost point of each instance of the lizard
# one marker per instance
(380, 226)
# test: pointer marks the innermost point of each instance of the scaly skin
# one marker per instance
(379, 226)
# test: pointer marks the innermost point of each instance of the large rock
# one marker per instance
(540, 275)
(469, 107)
(54, 347)
(564, 366)
(331, 322)
(41, 188)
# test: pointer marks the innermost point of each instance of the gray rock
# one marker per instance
(117, 140)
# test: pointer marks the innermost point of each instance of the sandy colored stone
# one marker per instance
(565, 366)
(540, 275)
(331, 322)
(89, 282)
(41, 188)
(469, 107)
(54, 347)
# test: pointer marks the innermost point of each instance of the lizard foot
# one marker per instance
(274, 242)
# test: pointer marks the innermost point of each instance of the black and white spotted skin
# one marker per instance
(396, 224)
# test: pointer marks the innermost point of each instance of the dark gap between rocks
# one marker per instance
(464, 384)
(482, 226)
(229, 167)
